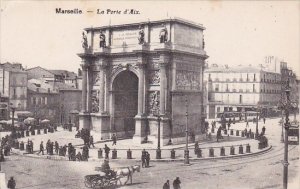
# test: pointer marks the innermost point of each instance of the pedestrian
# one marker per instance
(70, 150)
(79, 156)
(41, 148)
(56, 147)
(92, 141)
(196, 147)
(219, 134)
(147, 159)
(228, 124)
(176, 183)
(143, 158)
(166, 185)
(51, 148)
(48, 146)
(11, 184)
(263, 130)
(247, 123)
(106, 150)
(114, 139)
(264, 120)
(85, 153)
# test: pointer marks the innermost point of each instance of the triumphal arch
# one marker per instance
(144, 80)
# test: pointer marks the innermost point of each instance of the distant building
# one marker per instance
(287, 74)
(241, 88)
(70, 103)
(13, 84)
(4, 104)
(43, 101)
(54, 76)
(53, 103)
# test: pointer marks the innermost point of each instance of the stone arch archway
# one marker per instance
(125, 102)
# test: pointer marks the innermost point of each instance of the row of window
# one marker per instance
(39, 100)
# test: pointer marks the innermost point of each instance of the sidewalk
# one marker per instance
(64, 137)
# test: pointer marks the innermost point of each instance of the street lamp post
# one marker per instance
(282, 123)
(158, 151)
(286, 126)
(256, 130)
(186, 151)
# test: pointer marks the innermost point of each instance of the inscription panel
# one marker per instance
(127, 37)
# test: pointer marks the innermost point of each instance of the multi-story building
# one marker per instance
(13, 84)
(288, 76)
(70, 103)
(53, 103)
(241, 88)
(54, 76)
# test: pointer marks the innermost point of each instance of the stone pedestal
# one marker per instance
(164, 130)
(101, 124)
(140, 129)
(84, 120)
(2, 181)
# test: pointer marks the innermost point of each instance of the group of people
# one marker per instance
(176, 184)
(87, 138)
(50, 146)
(145, 158)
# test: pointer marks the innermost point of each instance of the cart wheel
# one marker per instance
(87, 183)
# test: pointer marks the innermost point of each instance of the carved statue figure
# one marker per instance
(154, 102)
(141, 35)
(95, 101)
(84, 41)
(102, 40)
(163, 35)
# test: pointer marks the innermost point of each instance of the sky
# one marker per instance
(237, 32)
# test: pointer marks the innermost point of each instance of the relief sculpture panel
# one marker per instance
(96, 78)
(154, 78)
(187, 80)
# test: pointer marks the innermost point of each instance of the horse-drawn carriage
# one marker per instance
(110, 179)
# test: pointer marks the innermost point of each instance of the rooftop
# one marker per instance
(144, 22)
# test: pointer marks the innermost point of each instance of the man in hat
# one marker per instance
(11, 183)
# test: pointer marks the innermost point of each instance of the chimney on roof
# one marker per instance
(48, 90)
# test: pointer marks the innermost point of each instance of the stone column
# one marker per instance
(141, 93)
(84, 87)
(140, 119)
(102, 89)
(89, 90)
(163, 79)
(84, 117)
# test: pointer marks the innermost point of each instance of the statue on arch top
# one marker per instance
(163, 34)
(84, 41)
(141, 35)
(102, 40)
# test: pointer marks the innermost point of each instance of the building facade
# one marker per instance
(43, 102)
(241, 88)
(14, 85)
(137, 78)
(70, 102)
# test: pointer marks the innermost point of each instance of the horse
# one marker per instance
(127, 171)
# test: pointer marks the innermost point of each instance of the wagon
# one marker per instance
(100, 181)
(109, 181)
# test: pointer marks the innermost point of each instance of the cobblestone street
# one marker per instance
(257, 171)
